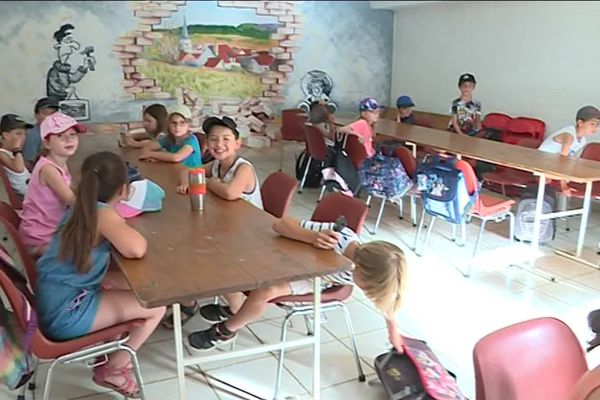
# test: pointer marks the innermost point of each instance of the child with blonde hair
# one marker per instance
(380, 271)
(49, 193)
(364, 127)
(69, 295)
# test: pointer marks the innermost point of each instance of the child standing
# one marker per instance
(380, 271)
(70, 302)
(12, 129)
(33, 143)
(364, 127)
(155, 118)
(466, 111)
(405, 105)
(49, 192)
(178, 146)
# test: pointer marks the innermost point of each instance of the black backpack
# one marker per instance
(313, 177)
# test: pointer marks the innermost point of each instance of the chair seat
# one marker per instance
(335, 293)
(512, 177)
(487, 205)
(45, 348)
(580, 190)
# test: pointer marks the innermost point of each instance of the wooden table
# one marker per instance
(228, 247)
(544, 165)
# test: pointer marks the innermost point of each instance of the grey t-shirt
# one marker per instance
(33, 144)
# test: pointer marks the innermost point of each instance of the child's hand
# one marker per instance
(183, 188)
(145, 154)
(129, 141)
(326, 240)
(566, 189)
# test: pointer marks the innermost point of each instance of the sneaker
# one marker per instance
(215, 313)
(210, 338)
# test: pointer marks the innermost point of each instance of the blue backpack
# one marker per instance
(444, 190)
(384, 176)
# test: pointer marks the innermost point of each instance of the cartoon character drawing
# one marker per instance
(60, 79)
(317, 86)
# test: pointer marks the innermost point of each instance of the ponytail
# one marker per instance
(102, 176)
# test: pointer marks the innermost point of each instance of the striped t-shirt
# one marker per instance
(347, 236)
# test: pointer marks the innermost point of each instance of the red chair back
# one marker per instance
(315, 142)
(591, 151)
(276, 192)
(536, 359)
(292, 125)
(7, 193)
(539, 126)
(9, 214)
(355, 150)
(469, 173)
(12, 245)
(497, 121)
(336, 204)
(532, 143)
(407, 159)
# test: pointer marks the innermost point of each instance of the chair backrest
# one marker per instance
(497, 121)
(12, 245)
(588, 387)
(532, 143)
(7, 193)
(9, 214)
(291, 125)
(470, 177)
(538, 124)
(591, 151)
(355, 150)
(336, 204)
(407, 159)
(315, 142)
(535, 359)
(276, 192)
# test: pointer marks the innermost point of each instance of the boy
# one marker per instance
(380, 269)
(405, 105)
(12, 129)
(33, 142)
(466, 111)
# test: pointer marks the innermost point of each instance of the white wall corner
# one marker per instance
(392, 5)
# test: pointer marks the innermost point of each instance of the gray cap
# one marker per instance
(586, 113)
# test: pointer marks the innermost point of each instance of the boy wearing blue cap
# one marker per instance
(405, 108)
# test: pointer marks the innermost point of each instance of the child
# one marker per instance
(228, 176)
(571, 139)
(364, 128)
(49, 193)
(12, 129)
(466, 111)
(70, 302)
(380, 271)
(33, 143)
(155, 123)
(178, 146)
(405, 105)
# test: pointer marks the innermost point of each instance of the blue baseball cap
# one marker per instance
(369, 104)
(404, 102)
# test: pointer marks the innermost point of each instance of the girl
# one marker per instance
(12, 129)
(364, 128)
(70, 302)
(155, 123)
(178, 146)
(49, 193)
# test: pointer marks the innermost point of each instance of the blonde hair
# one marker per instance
(381, 271)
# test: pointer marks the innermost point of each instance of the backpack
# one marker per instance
(384, 175)
(342, 176)
(17, 364)
(313, 177)
(416, 374)
(526, 213)
(443, 190)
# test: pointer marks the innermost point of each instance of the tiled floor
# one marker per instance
(441, 306)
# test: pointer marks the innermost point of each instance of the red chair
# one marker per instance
(523, 126)
(85, 349)
(540, 126)
(315, 147)
(497, 121)
(536, 359)
(277, 192)
(336, 204)
(9, 214)
(514, 179)
(7, 193)
(292, 122)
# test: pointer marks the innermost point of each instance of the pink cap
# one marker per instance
(58, 123)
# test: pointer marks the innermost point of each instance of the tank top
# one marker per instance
(253, 196)
(42, 209)
(18, 180)
(551, 146)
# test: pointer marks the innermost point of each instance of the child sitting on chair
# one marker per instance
(364, 127)
(155, 124)
(12, 129)
(380, 271)
(405, 115)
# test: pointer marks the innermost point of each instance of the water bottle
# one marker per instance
(197, 188)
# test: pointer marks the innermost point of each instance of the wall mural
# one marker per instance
(61, 78)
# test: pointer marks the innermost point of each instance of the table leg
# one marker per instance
(584, 217)
(537, 218)
(179, 350)
(317, 340)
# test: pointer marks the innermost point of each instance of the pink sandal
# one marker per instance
(128, 388)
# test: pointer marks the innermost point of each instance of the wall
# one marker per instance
(126, 35)
(530, 58)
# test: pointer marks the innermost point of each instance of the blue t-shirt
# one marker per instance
(194, 160)
(33, 144)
